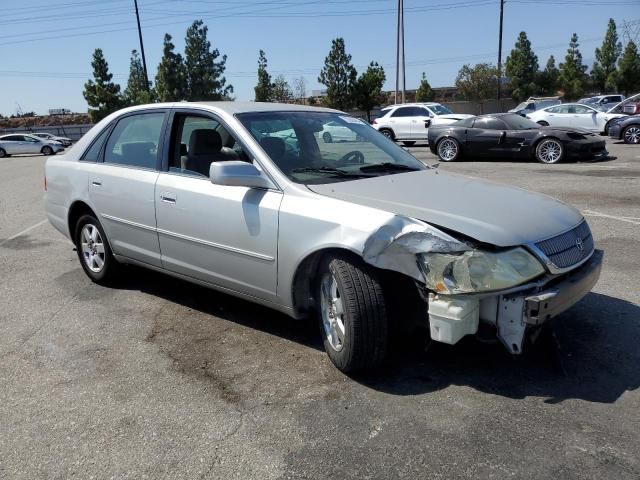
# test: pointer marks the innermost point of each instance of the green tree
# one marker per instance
(604, 67)
(628, 76)
(339, 76)
(479, 82)
(102, 95)
(548, 78)
(171, 76)
(137, 93)
(280, 90)
(263, 88)
(572, 77)
(368, 88)
(205, 75)
(425, 92)
(521, 68)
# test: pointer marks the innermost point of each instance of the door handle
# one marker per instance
(96, 184)
(167, 197)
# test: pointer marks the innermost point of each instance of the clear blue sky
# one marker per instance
(46, 49)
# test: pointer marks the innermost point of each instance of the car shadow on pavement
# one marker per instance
(590, 353)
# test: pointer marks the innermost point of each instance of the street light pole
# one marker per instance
(500, 49)
(404, 80)
(397, 55)
(144, 60)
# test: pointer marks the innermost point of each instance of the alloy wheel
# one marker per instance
(332, 312)
(632, 135)
(92, 247)
(448, 149)
(549, 151)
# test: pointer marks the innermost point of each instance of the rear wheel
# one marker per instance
(326, 136)
(543, 123)
(352, 314)
(47, 151)
(448, 149)
(94, 252)
(387, 133)
(3, 153)
(631, 134)
(549, 150)
(408, 144)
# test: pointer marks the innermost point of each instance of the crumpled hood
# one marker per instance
(486, 211)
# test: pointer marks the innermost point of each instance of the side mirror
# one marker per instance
(427, 123)
(237, 174)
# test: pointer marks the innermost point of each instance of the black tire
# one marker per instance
(543, 123)
(387, 133)
(364, 315)
(408, 144)
(3, 153)
(551, 144)
(326, 136)
(631, 135)
(448, 149)
(110, 269)
(47, 150)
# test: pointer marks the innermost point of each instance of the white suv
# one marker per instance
(410, 122)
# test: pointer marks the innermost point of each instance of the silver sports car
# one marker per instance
(14, 144)
(247, 198)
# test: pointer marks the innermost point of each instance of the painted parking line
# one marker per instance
(633, 220)
(26, 230)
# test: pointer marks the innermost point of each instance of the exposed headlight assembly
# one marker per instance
(478, 271)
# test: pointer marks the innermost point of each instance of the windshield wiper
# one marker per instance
(388, 167)
(329, 170)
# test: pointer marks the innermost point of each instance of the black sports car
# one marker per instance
(508, 135)
(626, 128)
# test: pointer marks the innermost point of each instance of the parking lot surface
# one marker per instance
(162, 379)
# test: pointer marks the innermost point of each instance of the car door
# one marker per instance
(487, 138)
(14, 144)
(32, 145)
(122, 185)
(224, 235)
(401, 119)
(586, 117)
(420, 123)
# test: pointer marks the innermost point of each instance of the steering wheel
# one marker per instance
(354, 157)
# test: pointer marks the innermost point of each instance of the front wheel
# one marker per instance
(387, 133)
(94, 252)
(47, 151)
(631, 134)
(3, 153)
(352, 314)
(448, 150)
(549, 150)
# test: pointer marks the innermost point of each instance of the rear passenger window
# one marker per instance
(134, 141)
(403, 112)
(93, 154)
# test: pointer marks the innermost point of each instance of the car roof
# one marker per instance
(238, 107)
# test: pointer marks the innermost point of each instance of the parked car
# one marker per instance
(574, 115)
(629, 106)
(334, 132)
(47, 136)
(410, 122)
(361, 236)
(534, 103)
(508, 135)
(27, 144)
(602, 100)
(626, 128)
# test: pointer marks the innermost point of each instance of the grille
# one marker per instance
(563, 250)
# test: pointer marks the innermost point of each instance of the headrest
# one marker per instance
(204, 141)
(274, 146)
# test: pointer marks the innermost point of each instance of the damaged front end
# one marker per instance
(464, 284)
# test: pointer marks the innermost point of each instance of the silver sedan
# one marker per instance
(248, 199)
(15, 144)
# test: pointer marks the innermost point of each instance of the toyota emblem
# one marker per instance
(579, 244)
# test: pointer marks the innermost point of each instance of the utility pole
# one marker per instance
(500, 49)
(404, 80)
(144, 60)
(397, 56)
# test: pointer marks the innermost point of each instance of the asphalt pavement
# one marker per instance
(162, 379)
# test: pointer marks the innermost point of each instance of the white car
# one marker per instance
(410, 121)
(334, 132)
(13, 144)
(574, 115)
(48, 136)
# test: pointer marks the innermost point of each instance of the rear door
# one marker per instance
(14, 144)
(122, 185)
(561, 116)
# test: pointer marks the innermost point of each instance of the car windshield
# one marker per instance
(516, 122)
(297, 143)
(440, 110)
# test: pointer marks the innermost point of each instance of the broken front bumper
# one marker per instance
(513, 312)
